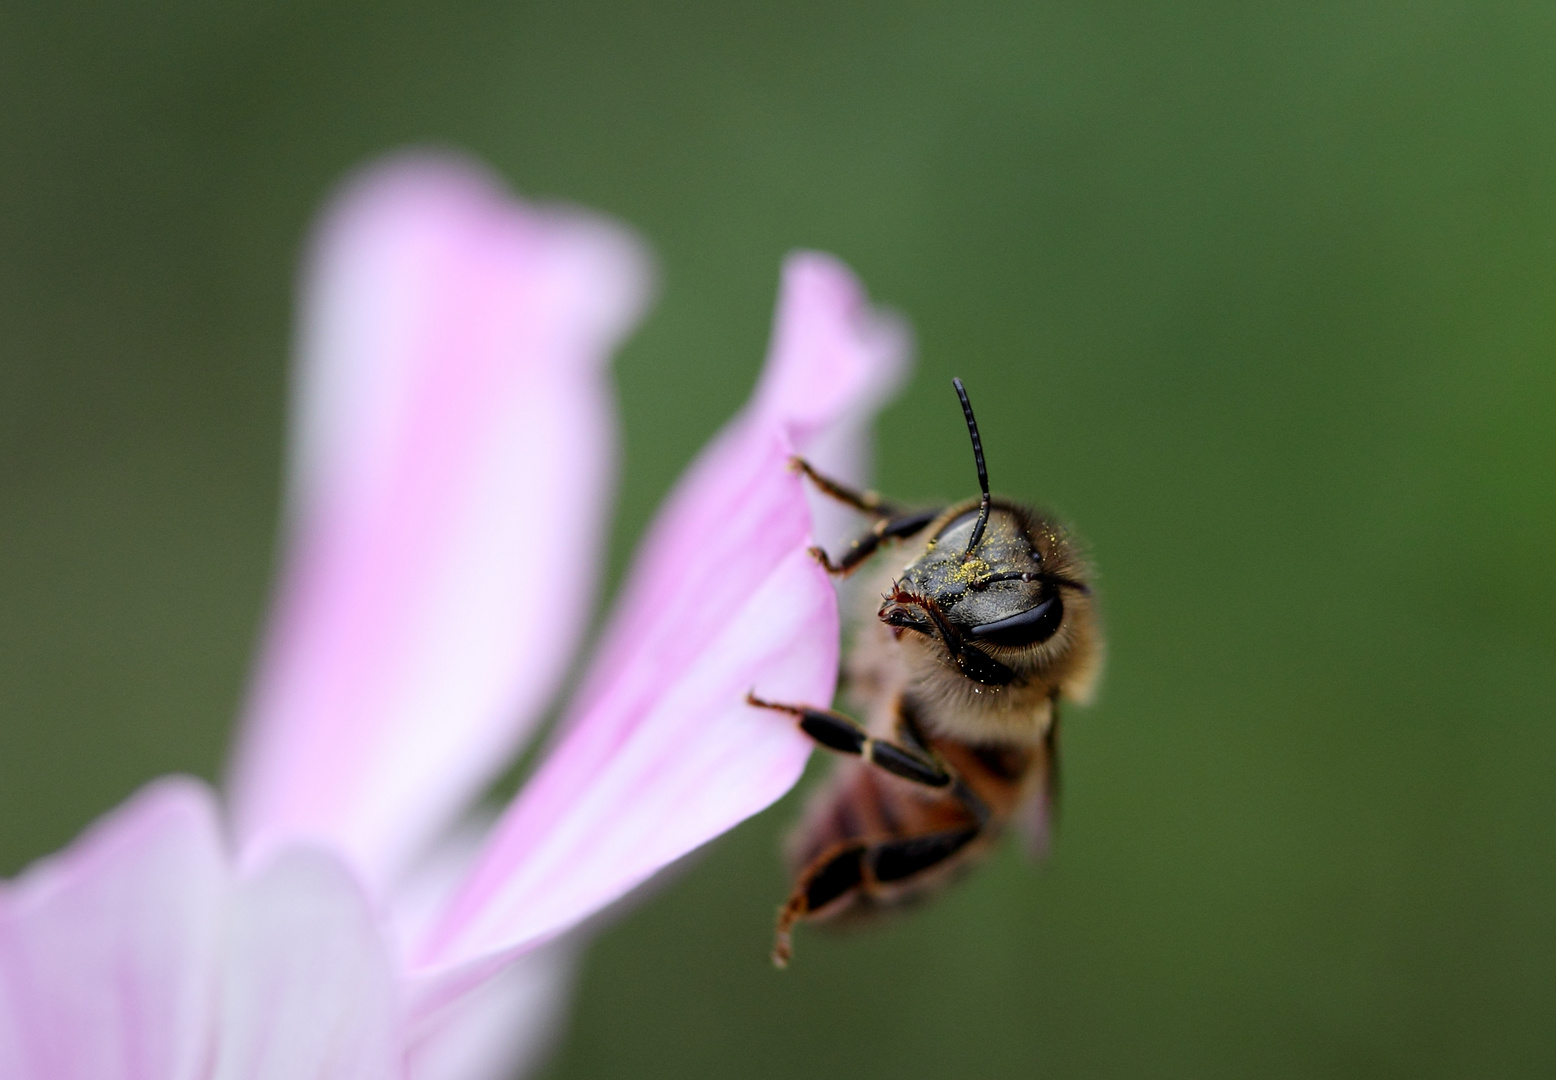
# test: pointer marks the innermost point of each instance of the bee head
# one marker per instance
(991, 583)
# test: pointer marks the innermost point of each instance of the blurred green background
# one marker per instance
(1261, 296)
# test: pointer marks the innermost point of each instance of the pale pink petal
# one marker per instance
(663, 753)
(308, 986)
(451, 468)
(108, 950)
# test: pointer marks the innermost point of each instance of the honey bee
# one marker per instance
(979, 636)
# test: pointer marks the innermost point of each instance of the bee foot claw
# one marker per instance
(825, 560)
(783, 951)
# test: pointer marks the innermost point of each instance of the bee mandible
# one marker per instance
(979, 636)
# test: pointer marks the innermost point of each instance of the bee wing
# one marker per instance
(1037, 813)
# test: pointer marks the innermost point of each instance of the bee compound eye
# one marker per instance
(1030, 627)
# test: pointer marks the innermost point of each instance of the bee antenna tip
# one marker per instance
(983, 472)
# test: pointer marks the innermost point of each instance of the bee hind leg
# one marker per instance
(855, 868)
(834, 875)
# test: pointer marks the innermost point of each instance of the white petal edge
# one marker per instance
(503, 1029)
(308, 988)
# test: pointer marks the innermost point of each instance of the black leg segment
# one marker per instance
(836, 874)
(866, 502)
(842, 873)
(897, 860)
(892, 522)
(908, 764)
(838, 732)
(833, 731)
(859, 867)
(887, 528)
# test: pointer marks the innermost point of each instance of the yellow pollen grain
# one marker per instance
(970, 571)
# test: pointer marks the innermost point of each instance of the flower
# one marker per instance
(338, 914)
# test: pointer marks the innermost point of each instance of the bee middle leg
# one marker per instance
(845, 735)
(860, 868)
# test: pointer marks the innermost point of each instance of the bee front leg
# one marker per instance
(845, 735)
(866, 502)
(887, 528)
(892, 522)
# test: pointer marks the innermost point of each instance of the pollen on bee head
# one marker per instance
(972, 570)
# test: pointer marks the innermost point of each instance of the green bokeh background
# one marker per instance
(1259, 295)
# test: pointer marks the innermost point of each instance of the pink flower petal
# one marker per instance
(108, 951)
(450, 472)
(505, 1027)
(308, 986)
(663, 753)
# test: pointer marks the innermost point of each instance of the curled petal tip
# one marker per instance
(833, 355)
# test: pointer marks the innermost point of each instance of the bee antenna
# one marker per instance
(983, 471)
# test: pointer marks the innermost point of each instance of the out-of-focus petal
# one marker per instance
(663, 753)
(450, 473)
(308, 987)
(505, 1027)
(108, 950)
